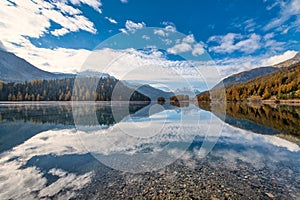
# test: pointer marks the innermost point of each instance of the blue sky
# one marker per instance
(201, 18)
(238, 35)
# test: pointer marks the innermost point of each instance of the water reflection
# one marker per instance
(61, 112)
(280, 120)
(56, 163)
(21, 121)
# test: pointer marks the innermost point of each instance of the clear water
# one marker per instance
(104, 151)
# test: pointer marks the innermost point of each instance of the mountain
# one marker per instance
(16, 69)
(289, 62)
(93, 74)
(282, 84)
(245, 76)
(261, 71)
(262, 82)
(149, 91)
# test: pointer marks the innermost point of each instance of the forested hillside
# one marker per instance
(284, 84)
(62, 90)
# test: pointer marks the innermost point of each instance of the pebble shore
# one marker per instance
(209, 178)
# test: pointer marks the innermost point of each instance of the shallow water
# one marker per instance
(104, 151)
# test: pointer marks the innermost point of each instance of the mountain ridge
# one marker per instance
(245, 76)
(237, 86)
(289, 62)
(16, 69)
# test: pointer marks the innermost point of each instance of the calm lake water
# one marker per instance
(120, 151)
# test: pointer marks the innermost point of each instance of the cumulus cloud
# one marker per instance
(198, 49)
(187, 44)
(112, 141)
(160, 32)
(235, 42)
(31, 19)
(170, 28)
(133, 26)
(165, 32)
(189, 39)
(152, 68)
(27, 179)
(180, 48)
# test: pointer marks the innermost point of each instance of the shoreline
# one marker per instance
(289, 102)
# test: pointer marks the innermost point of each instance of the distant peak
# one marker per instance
(2, 48)
(289, 62)
(297, 55)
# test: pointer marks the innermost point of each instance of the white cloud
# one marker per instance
(279, 58)
(276, 3)
(54, 60)
(198, 49)
(229, 66)
(167, 41)
(133, 26)
(180, 48)
(189, 39)
(96, 4)
(111, 20)
(146, 37)
(31, 19)
(123, 30)
(27, 179)
(170, 28)
(165, 32)
(160, 32)
(235, 42)
(187, 44)
(250, 25)
(60, 32)
(268, 36)
(124, 1)
(273, 45)
(288, 9)
(66, 8)
(150, 68)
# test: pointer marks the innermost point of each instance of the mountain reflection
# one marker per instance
(61, 113)
(58, 164)
(279, 120)
(19, 122)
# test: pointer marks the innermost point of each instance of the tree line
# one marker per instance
(282, 84)
(64, 90)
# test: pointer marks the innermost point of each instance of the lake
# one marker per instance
(117, 150)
